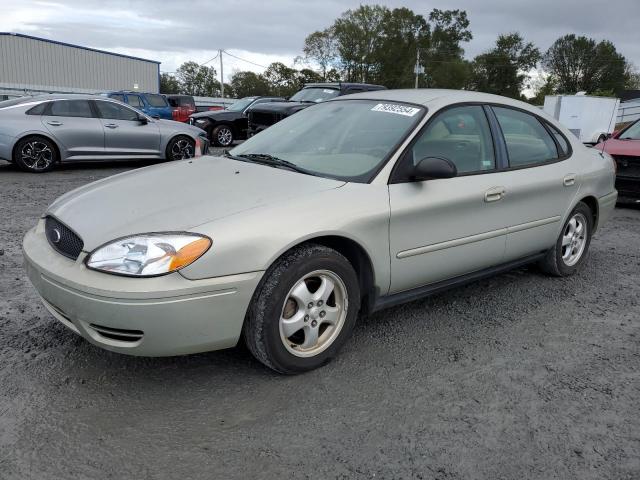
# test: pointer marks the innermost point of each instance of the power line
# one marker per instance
(211, 59)
(244, 60)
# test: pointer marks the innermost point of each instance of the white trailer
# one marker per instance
(589, 118)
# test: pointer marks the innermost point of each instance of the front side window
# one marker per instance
(347, 140)
(241, 104)
(71, 108)
(157, 101)
(528, 142)
(631, 133)
(114, 111)
(460, 134)
(134, 101)
(315, 95)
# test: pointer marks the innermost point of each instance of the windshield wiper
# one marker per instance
(267, 159)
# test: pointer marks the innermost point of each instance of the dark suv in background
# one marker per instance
(224, 127)
(263, 116)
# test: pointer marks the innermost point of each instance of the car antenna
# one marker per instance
(605, 140)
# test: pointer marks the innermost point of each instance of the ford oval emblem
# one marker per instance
(55, 236)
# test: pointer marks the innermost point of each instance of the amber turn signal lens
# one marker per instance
(189, 253)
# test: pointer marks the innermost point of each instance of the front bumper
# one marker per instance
(160, 316)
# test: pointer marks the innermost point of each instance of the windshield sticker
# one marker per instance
(395, 108)
(328, 91)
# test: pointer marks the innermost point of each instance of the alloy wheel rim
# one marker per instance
(574, 239)
(313, 313)
(36, 155)
(182, 149)
(224, 136)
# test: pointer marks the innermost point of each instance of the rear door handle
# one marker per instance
(494, 194)
(55, 123)
(111, 125)
(569, 180)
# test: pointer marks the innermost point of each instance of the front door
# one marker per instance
(444, 228)
(125, 134)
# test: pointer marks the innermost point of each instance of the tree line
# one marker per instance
(376, 44)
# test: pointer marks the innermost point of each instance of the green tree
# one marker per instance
(169, 84)
(546, 86)
(246, 84)
(306, 75)
(198, 80)
(321, 47)
(581, 64)
(282, 80)
(503, 69)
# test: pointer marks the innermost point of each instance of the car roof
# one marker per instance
(431, 96)
(62, 96)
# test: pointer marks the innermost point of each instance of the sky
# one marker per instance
(261, 32)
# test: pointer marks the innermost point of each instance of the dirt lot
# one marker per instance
(519, 376)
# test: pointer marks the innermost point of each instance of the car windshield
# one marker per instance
(315, 95)
(241, 104)
(157, 101)
(346, 140)
(15, 101)
(632, 132)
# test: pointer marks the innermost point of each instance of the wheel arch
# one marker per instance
(36, 134)
(592, 203)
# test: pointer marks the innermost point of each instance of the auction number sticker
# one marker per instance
(396, 108)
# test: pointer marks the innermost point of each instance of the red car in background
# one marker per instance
(182, 105)
(624, 147)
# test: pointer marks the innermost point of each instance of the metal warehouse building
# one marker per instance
(34, 65)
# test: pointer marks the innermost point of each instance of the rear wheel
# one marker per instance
(222, 136)
(572, 246)
(180, 148)
(304, 310)
(35, 154)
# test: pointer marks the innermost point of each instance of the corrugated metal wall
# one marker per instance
(39, 65)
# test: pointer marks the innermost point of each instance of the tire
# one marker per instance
(35, 154)
(309, 273)
(222, 136)
(181, 148)
(572, 247)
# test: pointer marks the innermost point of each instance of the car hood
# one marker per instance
(177, 196)
(171, 126)
(217, 115)
(614, 146)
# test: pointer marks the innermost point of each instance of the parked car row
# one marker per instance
(624, 147)
(352, 205)
(36, 133)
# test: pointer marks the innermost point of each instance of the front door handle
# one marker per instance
(111, 125)
(55, 123)
(494, 194)
(569, 180)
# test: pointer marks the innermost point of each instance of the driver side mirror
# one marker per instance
(142, 119)
(433, 167)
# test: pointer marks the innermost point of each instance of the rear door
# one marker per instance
(124, 134)
(75, 127)
(540, 182)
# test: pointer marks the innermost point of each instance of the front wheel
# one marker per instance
(570, 250)
(222, 136)
(181, 148)
(303, 310)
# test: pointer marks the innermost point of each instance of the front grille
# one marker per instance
(117, 334)
(62, 238)
(628, 165)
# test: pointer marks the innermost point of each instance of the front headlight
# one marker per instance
(149, 255)
(201, 122)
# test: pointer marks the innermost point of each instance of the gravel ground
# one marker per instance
(518, 376)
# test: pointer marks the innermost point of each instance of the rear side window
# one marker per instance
(118, 97)
(157, 101)
(71, 108)
(38, 109)
(115, 111)
(528, 142)
(134, 101)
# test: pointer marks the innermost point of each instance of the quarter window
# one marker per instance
(114, 111)
(528, 142)
(38, 109)
(459, 134)
(71, 108)
(563, 144)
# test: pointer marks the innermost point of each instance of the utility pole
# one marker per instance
(221, 75)
(417, 69)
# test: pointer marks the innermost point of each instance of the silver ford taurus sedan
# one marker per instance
(36, 133)
(347, 207)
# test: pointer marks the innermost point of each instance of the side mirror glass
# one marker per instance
(434, 167)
